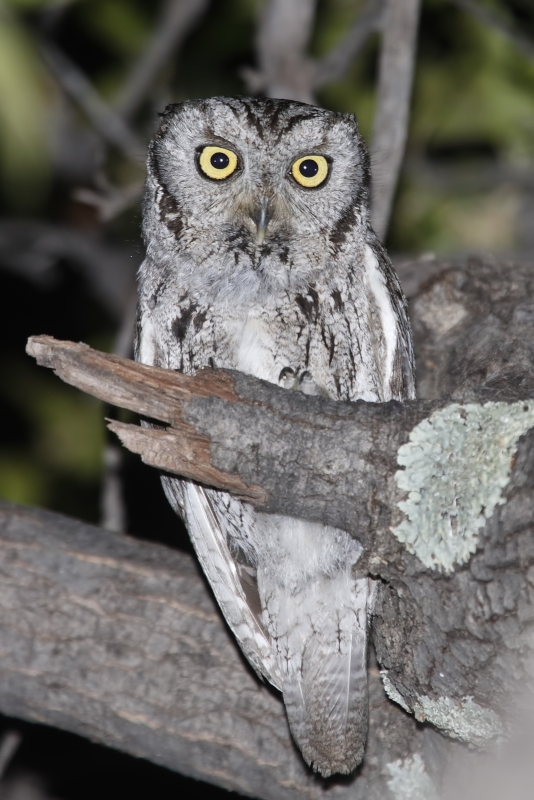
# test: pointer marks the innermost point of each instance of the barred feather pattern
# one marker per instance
(318, 295)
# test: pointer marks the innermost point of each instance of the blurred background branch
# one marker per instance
(390, 129)
(177, 19)
(332, 66)
(498, 22)
(72, 80)
(282, 39)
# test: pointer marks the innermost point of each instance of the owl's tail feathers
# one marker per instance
(326, 699)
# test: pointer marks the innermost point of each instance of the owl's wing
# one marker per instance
(223, 571)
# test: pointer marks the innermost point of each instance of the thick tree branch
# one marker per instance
(283, 441)
(121, 641)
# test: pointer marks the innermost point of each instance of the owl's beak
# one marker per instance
(261, 217)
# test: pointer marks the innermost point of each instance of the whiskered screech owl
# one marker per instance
(261, 258)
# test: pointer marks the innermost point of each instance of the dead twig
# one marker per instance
(113, 508)
(111, 201)
(32, 249)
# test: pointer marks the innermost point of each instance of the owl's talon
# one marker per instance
(306, 383)
(308, 386)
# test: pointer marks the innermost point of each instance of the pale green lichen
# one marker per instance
(410, 781)
(456, 465)
(460, 719)
(392, 692)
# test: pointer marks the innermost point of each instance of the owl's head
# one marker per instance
(252, 191)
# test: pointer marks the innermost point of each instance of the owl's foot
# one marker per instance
(308, 386)
(288, 378)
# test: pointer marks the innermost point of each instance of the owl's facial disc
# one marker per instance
(221, 163)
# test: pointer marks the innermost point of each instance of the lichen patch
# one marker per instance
(456, 465)
(409, 780)
(461, 719)
(392, 692)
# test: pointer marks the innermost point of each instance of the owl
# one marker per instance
(260, 257)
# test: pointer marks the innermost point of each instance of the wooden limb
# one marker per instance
(396, 67)
(120, 641)
(281, 451)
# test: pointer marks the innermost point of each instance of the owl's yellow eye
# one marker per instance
(217, 162)
(310, 171)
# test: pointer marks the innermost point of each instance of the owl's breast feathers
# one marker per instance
(350, 332)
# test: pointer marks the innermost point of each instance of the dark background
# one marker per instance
(70, 241)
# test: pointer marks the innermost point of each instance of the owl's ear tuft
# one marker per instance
(169, 109)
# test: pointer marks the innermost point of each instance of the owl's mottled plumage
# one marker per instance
(317, 296)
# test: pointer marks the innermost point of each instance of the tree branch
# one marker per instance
(121, 641)
(496, 21)
(396, 67)
(334, 64)
(177, 20)
(109, 125)
(329, 447)
(284, 31)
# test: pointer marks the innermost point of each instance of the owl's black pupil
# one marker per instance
(219, 161)
(309, 168)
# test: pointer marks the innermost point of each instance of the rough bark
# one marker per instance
(281, 451)
(121, 641)
(457, 645)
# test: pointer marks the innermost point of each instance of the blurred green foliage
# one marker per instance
(24, 115)
(471, 144)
